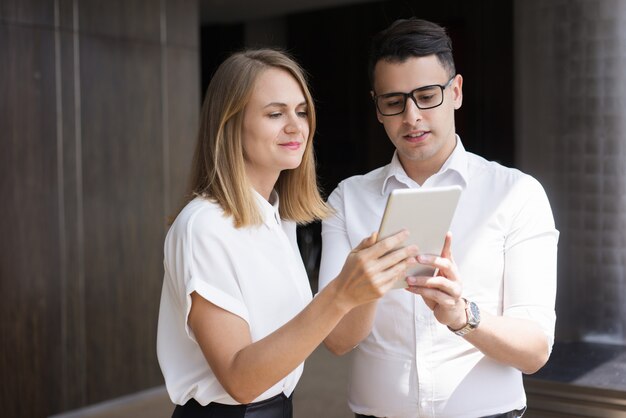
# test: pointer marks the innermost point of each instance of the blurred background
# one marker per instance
(99, 106)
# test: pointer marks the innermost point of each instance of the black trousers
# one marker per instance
(278, 406)
(511, 414)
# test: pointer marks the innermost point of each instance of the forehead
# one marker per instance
(276, 85)
(414, 72)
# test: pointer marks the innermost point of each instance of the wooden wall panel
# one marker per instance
(29, 229)
(71, 222)
(182, 25)
(123, 211)
(94, 140)
(29, 12)
(132, 20)
(183, 120)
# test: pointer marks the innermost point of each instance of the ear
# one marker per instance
(457, 91)
(375, 109)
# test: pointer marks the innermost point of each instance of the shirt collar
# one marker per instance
(456, 162)
(269, 211)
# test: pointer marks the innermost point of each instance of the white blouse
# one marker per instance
(254, 272)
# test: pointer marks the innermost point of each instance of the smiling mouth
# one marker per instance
(416, 136)
(294, 145)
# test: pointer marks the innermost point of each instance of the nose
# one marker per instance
(411, 113)
(293, 125)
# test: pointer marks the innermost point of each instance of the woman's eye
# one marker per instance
(275, 115)
(303, 114)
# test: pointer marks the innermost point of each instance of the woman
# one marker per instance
(236, 320)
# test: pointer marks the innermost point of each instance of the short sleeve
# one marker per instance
(335, 241)
(210, 266)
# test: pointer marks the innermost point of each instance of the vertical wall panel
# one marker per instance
(73, 317)
(86, 161)
(29, 271)
(28, 12)
(122, 192)
(181, 78)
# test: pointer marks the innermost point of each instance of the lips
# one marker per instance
(416, 136)
(293, 145)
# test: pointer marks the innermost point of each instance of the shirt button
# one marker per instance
(420, 317)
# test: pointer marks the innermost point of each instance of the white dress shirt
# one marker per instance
(254, 272)
(504, 243)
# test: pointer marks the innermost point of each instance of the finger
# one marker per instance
(445, 265)
(388, 244)
(405, 254)
(393, 274)
(446, 252)
(434, 295)
(442, 284)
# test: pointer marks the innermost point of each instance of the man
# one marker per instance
(456, 344)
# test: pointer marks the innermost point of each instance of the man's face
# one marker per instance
(424, 138)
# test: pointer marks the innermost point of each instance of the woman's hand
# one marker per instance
(441, 292)
(372, 268)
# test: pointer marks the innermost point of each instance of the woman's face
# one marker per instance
(275, 128)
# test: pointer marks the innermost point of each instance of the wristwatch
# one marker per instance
(473, 319)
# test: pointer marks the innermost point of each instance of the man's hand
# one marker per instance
(441, 292)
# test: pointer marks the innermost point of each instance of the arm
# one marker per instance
(517, 342)
(357, 323)
(522, 336)
(352, 329)
(246, 369)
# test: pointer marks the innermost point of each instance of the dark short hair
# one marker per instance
(407, 38)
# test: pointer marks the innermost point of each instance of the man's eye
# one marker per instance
(393, 103)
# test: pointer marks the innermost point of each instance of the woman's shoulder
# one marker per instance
(201, 214)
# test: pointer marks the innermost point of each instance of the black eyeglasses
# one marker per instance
(426, 97)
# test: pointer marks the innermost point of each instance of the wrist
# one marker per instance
(459, 316)
(472, 315)
(338, 298)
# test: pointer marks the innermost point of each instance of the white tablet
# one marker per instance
(426, 214)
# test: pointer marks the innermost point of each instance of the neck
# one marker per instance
(419, 174)
(421, 170)
(263, 185)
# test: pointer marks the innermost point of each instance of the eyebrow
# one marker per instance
(278, 104)
(416, 89)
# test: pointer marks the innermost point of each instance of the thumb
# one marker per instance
(367, 242)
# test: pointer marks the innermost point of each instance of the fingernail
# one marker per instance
(424, 258)
(411, 280)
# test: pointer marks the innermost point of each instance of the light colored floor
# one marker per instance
(320, 393)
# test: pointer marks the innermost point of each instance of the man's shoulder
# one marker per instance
(498, 174)
(373, 179)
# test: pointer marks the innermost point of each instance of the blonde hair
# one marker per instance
(218, 170)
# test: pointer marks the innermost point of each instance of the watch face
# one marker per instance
(475, 314)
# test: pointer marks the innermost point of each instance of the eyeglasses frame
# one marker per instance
(411, 95)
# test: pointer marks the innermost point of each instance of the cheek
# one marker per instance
(391, 127)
